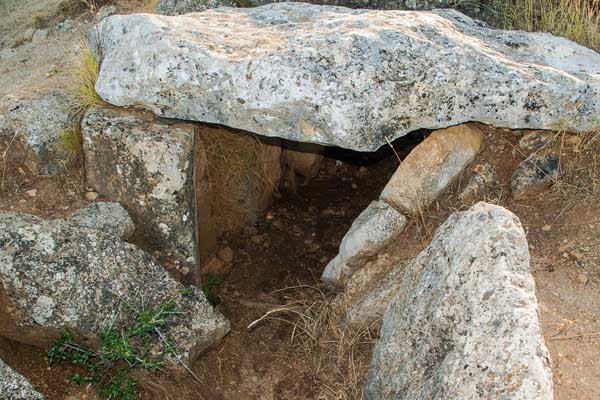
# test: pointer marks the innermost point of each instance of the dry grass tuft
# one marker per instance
(235, 170)
(71, 142)
(83, 84)
(579, 182)
(340, 353)
(578, 20)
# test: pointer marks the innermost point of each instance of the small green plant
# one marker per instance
(211, 282)
(121, 350)
(83, 85)
(38, 22)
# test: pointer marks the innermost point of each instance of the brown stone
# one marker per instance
(432, 166)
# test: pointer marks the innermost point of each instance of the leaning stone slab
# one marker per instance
(464, 324)
(350, 78)
(30, 129)
(14, 386)
(147, 166)
(56, 274)
(431, 167)
(374, 229)
(107, 217)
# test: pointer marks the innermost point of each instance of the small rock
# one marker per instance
(535, 140)
(28, 35)
(40, 36)
(582, 278)
(91, 196)
(484, 177)
(214, 266)
(258, 239)
(535, 174)
(31, 193)
(66, 26)
(14, 386)
(362, 172)
(547, 228)
(226, 255)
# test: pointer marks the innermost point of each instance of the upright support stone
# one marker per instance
(431, 167)
(374, 229)
(147, 165)
(464, 323)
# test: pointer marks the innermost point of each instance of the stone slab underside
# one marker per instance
(351, 78)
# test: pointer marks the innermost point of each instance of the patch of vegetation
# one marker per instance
(83, 85)
(38, 21)
(121, 351)
(71, 142)
(211, 282)
(578, 20)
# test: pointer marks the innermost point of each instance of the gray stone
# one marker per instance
(7, 53)
(56, 274)
(14, 386)
(371, 289)
(373, 230)
(535, 174)
(431, 166)
(482, 181)
(176, 7)
(40, 36)
(536, 140)
(66, 26)
(110, 218)
(32, 127)
(147, 166)
(337, 76)
(464, 324)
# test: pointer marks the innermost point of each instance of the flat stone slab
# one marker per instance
(350, 78)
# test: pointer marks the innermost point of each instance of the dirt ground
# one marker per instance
(300, 233)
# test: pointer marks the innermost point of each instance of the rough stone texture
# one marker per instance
(431, 167)
(175, 7)
(483, 179)
(535, 140)
(56, 274)
(31, 126)
(13, 386)
(535, 174)
(464, 324)
(110, 218)
(147, 166)
(374, 229)
(337, 76)
(371, 289)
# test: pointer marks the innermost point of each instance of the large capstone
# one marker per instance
(337, 76)
(464, 323)
(147, 166)
(56, 274)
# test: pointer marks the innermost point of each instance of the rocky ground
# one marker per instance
(297, 236)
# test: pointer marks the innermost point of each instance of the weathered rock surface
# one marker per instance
(536, 174)
(464, 324)
(374, 229)
(147, 166)
(371, 289)
(32, 126)
(535, 140)
(14, 386)
(337, 76)
(431, 167)
(110, 218)
(56, 274)
(175, 7)
(483, 180)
